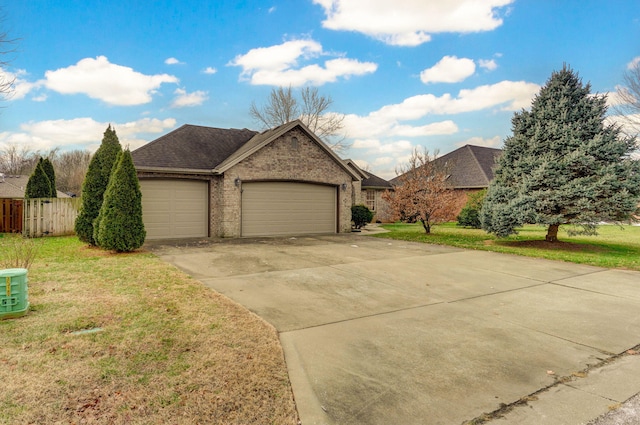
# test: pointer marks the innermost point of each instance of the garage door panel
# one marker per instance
(287, 208)
(175, 208)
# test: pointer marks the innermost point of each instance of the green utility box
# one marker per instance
(14, 294)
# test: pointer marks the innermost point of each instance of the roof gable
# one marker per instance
(469, 167)
(191, 147)
(261, 140)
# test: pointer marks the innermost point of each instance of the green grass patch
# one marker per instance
(169, 350)
(613, 247)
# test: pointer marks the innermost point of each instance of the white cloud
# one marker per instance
(494, 142)
(449, 69)
(488, 64)
(635, 62)
(184, 99)
(387, 121)
(19, 87)
(365, 143)
(210, 70)
(173, 61)
(279, 65)
(40, 98)
(82, 132)
(111, 83)
(410, 22)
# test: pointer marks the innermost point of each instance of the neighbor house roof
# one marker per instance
(375, 182)
(469, 167)
(195, 149)
(14, 187)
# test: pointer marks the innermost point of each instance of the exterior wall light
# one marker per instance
(344, 186)
(237, 182)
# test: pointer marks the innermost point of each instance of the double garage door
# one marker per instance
(180, 208)
(286, 208)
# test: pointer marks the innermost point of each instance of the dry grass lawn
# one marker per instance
(169, 350)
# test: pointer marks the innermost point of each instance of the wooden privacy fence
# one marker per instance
(49, 216)
(10, 215)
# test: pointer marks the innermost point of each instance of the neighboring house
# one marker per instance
(470, 170)
(13, 187)
(211, 182)
(368, 191)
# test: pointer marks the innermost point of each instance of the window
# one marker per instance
(371, 200)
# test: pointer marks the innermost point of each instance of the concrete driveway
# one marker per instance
(383, 332)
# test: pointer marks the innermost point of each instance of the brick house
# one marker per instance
(368, 191)
(210, 182)
(470, 170)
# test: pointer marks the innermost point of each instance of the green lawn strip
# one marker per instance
(129, 339)
(613, 247)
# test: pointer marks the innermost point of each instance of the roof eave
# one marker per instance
(168, 170)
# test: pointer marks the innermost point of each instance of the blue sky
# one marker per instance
(406, 73)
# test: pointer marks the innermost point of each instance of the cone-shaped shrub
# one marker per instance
(47, 166)
(119, 226)
(38, 185)
(95, 183)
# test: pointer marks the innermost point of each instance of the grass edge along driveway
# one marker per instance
(613, 247)
(129, 339)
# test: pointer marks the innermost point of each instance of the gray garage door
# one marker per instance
(284, 208)
(175, 208)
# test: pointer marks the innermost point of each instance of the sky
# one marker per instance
(406, 74)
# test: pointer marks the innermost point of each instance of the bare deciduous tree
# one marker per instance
(71, 167)
(421, 192)
(628, 97)
(6, 82)
(18, 161)
(311, 108)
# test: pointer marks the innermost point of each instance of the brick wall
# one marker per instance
(284, 159)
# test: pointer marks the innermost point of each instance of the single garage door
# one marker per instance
(175, 208)
(286, 208)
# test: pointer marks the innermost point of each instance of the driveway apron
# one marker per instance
(376, 331)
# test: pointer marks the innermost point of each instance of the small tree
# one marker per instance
(47, 166)
(563, 165)
(38, 185)
(421, 192)
(361, 216)
(119, 225)
(95, 183)
(470, 214)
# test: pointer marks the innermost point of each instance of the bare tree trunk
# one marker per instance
(427, 226)
(552, 233)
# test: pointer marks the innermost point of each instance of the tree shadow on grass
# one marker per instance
(552, 246)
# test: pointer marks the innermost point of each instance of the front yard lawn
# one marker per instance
(614, 247)
(128, 339)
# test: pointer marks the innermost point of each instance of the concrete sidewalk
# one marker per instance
(378, 332)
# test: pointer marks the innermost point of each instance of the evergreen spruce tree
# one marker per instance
(95, 183)
(563, 165)
(119, 226)
(38, 185)
(47, 166)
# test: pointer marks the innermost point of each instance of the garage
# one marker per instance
(288, 208)
(175, 208)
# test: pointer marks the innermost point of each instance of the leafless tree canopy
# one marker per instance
(70, 167)
(310, 107)
(629, 98)
(6, 83)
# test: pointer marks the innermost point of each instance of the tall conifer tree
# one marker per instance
(47, 166)
(563, 165)
(119, 226)
(38, 185)
(95, 183)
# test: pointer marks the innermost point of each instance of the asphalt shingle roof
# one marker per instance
(14, 187)
(469, 166)
(374, 181)
(192, 147)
